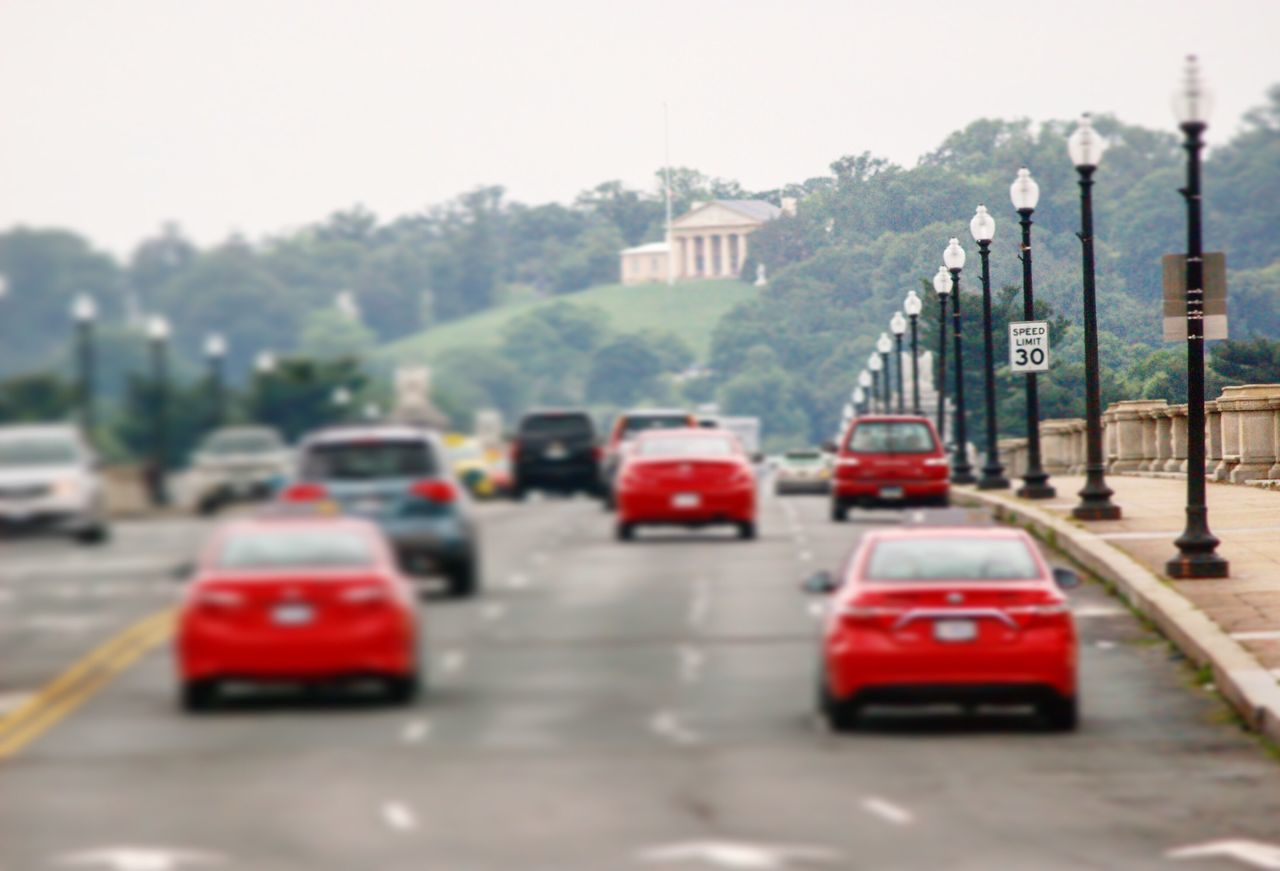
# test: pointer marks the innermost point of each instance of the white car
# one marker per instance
(237, 464)
(49, 483)
(806, 471)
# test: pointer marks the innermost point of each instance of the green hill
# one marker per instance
(690, 309)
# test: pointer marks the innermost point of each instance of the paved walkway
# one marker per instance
(1246, 519)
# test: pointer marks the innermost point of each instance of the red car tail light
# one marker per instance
(305, 493)
(937, 461)
(214, 599)
(366, 595)
(515, 452)
(597, 452)
(847, 467)
(865, 614)
(434, 490)
(1045, 612)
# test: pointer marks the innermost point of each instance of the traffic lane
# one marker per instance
(549, 745)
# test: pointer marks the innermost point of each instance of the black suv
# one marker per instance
(555, 451)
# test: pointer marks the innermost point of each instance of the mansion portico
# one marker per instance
(709, 241)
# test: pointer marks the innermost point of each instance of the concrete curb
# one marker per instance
(1252, 690)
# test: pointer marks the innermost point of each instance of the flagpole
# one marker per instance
(666, 173)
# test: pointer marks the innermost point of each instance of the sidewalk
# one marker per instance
(1240, 638)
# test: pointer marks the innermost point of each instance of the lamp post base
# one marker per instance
(1095, 499)
(1197, 566)
(993, 479)
(1036, 488)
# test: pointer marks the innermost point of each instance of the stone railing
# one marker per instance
(1149, 437)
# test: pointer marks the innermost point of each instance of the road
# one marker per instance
(602, 706)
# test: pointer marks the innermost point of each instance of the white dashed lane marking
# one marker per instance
(887, 811)
(398, 816)
(416, 732)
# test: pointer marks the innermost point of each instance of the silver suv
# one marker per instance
(49, 483)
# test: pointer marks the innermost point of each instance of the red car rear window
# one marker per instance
(951, 559)
(892, 437)
(295, 549)
(685, 446)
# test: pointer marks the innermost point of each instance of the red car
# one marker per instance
(686, 477)
(958, 615)
(889, 460)
(296, 599)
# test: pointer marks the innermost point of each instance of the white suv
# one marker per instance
(49, 483)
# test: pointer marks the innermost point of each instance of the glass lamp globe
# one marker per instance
(848, 411)
(341, 396)
(953, 257)
(982, 225)
(864, 379)
(157, 328)
(858, 395)
(84, 309)
(873, 362)
(215, 345)
(1024, 191)
(884, 344)
(912, 305)
(942, 281)
(897, 324)
(1084, 145)
(265, 362)
(1193, 102)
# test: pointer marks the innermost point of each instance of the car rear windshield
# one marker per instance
(295, 549)
(369, 460)
(639, 423)
(685, 446)
(802, 458)
(892, 437)
(951, 559)
(21, 453)
(242, 443)
(557, 425)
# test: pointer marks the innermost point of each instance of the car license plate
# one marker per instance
(367, 506)
(891, 493)
(953, 631)
(555, 451)
(292, 615)
(686, 500)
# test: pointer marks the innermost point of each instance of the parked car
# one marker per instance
(299, 600)
(889, 461)
(802, 471)
(555, 451)
(237, 464)
(625, 427)
(958, 615)
(399, 478)
(49, 483)
(686, 477)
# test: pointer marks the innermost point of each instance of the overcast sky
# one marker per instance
(260, 115)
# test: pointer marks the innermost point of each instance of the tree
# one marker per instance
(622, 370)
(298, 396)
(39, 397)
(330, 333)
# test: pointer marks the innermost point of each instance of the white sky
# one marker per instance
(260, 115)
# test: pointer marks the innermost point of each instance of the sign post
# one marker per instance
(1028, 346)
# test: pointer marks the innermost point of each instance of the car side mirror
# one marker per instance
(820, 583)
(184, 571)
(1066, 579)
(757, 457)
(829, 447)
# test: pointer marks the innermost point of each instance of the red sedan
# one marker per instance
(889, 461)
(296, 599)
(686, 477)
(967, 616)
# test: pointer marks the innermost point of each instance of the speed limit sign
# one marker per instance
(1029, 346)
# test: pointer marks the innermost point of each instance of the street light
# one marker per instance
(1025, 193)
(983, 228)
(864, 384)
(859, 397)
(942, 287)
(961, 470)
(898, 326)
(265, 363)
(884, 345)
(1085, 148)
(158, 335)
(1197, 546)
(912, 305)
(875, 364)
(84, 311)
(215, 352)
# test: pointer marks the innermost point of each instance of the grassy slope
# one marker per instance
(689, 309)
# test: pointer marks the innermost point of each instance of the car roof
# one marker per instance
(324, 522)
(891, 418)
(371, 432)
(993, 533)
(246, 428)
(26, 430)
(655, 412)
(692, 432)
(556, 412)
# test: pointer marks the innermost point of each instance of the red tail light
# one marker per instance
(366, 595)
(305, 493)
(434, 490)
(515, 452)
(214, 599)
(598, 453)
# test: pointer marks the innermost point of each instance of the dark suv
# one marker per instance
(555, 451)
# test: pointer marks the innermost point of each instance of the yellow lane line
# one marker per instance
(81, 681)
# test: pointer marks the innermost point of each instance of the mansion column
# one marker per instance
(690, 257)
(730, 258)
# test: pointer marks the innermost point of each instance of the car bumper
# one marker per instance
(657, 507)
(428, 547)
(552, 475)
(802, 485)
(205, 651)
(872, 491)
(46, 518)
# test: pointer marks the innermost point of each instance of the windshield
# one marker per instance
(38, 451)
(685, 446)
(562, 425)
(369, 460)
(951, 559)
(888, 437)
(257, 442)
(295, 548)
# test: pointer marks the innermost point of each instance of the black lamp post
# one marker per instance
(1085, 147)
(961, 469)
(84, 311)
(858, 397)
(913, 306)
(158, 334)
(1025, 193)
(983, 228)
(864, 384)
(884, 347)
(215, 352)
(876, 365)
(942, 287)
(1197, 546)
(898, 326)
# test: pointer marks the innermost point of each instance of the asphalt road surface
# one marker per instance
(602, 706)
